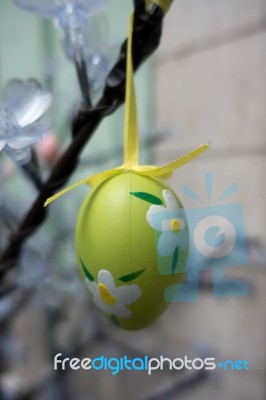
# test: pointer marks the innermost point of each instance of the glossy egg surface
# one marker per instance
(131, 244)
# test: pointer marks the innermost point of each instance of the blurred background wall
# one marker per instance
(206, 82)
(210, 85)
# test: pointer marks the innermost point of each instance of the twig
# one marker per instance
(33, 174)
(83, 80)
(146, 38)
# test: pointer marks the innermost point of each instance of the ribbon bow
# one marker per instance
(131, 141)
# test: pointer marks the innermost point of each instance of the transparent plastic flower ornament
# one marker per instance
(101, 53)
(70, 15)
(21, 122)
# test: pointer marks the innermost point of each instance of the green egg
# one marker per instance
(131, 244)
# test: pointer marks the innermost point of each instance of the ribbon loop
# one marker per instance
(131, 135)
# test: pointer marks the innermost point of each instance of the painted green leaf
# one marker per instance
(114, 320)
(175, 260)
(150, 198)
(87, 273)
(132, 276)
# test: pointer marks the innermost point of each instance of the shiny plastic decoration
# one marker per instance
(70, 15)
(131, 235)
(21, 122)
(131, 244)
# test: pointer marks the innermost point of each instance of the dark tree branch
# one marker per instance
(139, 6)
(83, 79)
(146, 38)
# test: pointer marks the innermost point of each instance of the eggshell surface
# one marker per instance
(131, 244)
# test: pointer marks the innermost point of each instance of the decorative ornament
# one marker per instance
(21, 122)
(131, 234)
(70, 15)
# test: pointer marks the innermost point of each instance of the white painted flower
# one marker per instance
(111, 299)
(170, 221)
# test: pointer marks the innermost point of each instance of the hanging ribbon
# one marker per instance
(131, 139)
(163, 4)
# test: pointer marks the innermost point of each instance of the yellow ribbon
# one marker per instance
(131, 140)
(163, 4)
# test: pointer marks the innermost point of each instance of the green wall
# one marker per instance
(31, 47)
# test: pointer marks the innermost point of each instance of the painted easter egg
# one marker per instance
(131, 245)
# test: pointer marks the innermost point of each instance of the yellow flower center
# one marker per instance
(106, 295)
(175, 224)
